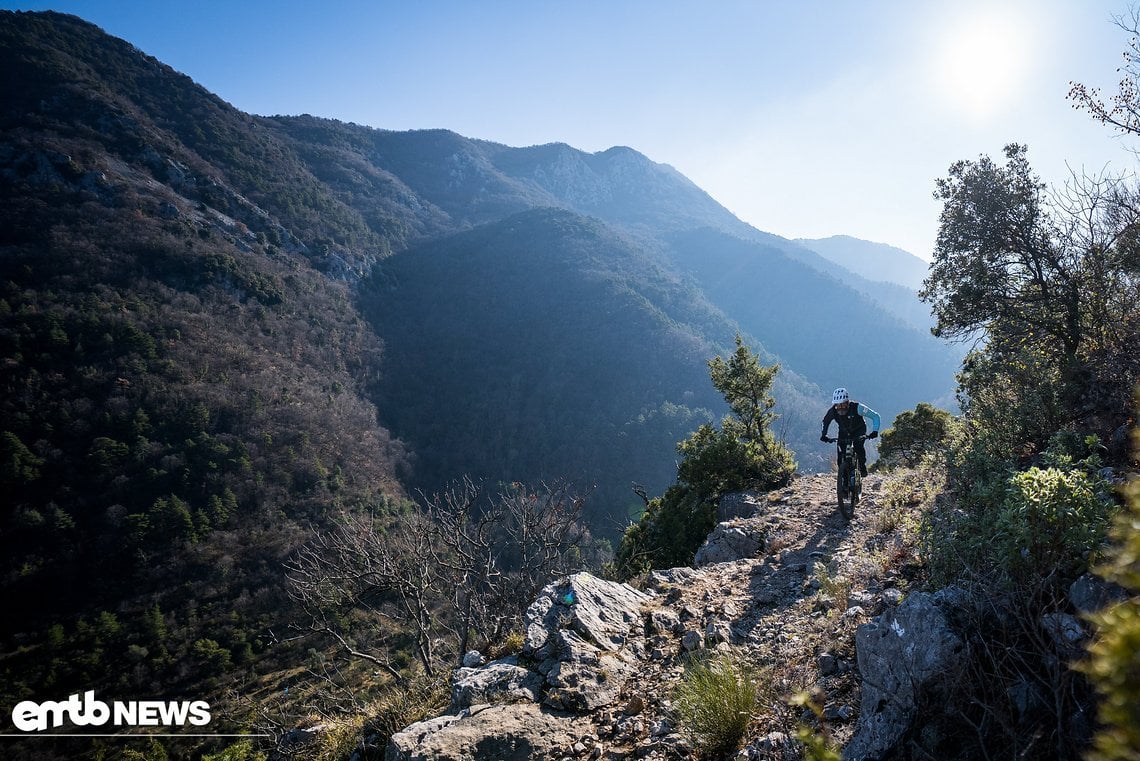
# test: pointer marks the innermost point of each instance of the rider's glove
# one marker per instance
(873, 435)
(824, 439)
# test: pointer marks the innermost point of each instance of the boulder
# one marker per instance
(731, 541)
(904, 653)
(496, 682)
(576, 630)
(601, 612)
(512, 732)
(576, 635)
(1091, 593)
(743, 504)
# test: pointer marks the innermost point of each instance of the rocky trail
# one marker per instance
(781, 588)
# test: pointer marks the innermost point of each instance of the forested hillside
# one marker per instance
(220, 332)
(547, 340)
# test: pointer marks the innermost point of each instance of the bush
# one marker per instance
(1016, 528)
(714, 703)
(741, 454)
(1052, 520)
(1114, 656)
(667, 536)
(914, 435)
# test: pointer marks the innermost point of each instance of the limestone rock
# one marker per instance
(902, 654)
(514, 732)
(1091, 593)
(496, 682)
(600, 612)
(731, 541)
(739, 505)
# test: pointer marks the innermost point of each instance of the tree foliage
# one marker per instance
(1050, 283)
(915, 434)
(741, 454)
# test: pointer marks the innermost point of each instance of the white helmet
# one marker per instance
(839, 396)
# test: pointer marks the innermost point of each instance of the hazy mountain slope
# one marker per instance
(874, 261)
(544, 322)
(888, 276)
(817, 324)
(619, 185)
(470, 180)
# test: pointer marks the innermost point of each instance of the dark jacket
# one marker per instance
(853, 423)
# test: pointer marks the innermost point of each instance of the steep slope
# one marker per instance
(817, 324)
(884, 274)
(545, 322)
(470, 182)
(183, 390)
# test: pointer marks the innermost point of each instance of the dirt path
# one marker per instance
(790, 611)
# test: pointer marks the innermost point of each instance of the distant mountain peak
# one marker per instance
(874, 261)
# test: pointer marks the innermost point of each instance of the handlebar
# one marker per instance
(860, 437)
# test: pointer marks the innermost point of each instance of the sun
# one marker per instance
(980, 63)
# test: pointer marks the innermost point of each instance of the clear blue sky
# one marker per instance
(805, 119)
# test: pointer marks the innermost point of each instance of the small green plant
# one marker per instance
(833, 584)
(512, 644)
(818, 745)
(1114, 656)
(715, 701)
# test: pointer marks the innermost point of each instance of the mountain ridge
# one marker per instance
(878, 262)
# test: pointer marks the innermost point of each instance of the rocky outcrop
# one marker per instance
(510, 732)
(496, 682)
(575, 660)
(731, 541)
(903, 655)
(819, 606)
(576, 632)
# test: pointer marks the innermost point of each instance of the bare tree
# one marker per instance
(1122, 111)
(462, 566)
(366, 567)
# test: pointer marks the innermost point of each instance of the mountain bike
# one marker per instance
(848, 482)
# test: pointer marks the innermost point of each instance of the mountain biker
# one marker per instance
(850, 416)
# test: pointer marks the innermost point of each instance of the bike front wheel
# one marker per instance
(846, 491)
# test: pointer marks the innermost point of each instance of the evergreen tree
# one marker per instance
(741, 454)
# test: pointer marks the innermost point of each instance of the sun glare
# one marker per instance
(980, 64)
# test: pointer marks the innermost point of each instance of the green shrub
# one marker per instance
(1015, 527)
(741, 454)
(914, 435)
(1052, 519)
(239, 751)
(714, 703)
(1114, 662)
